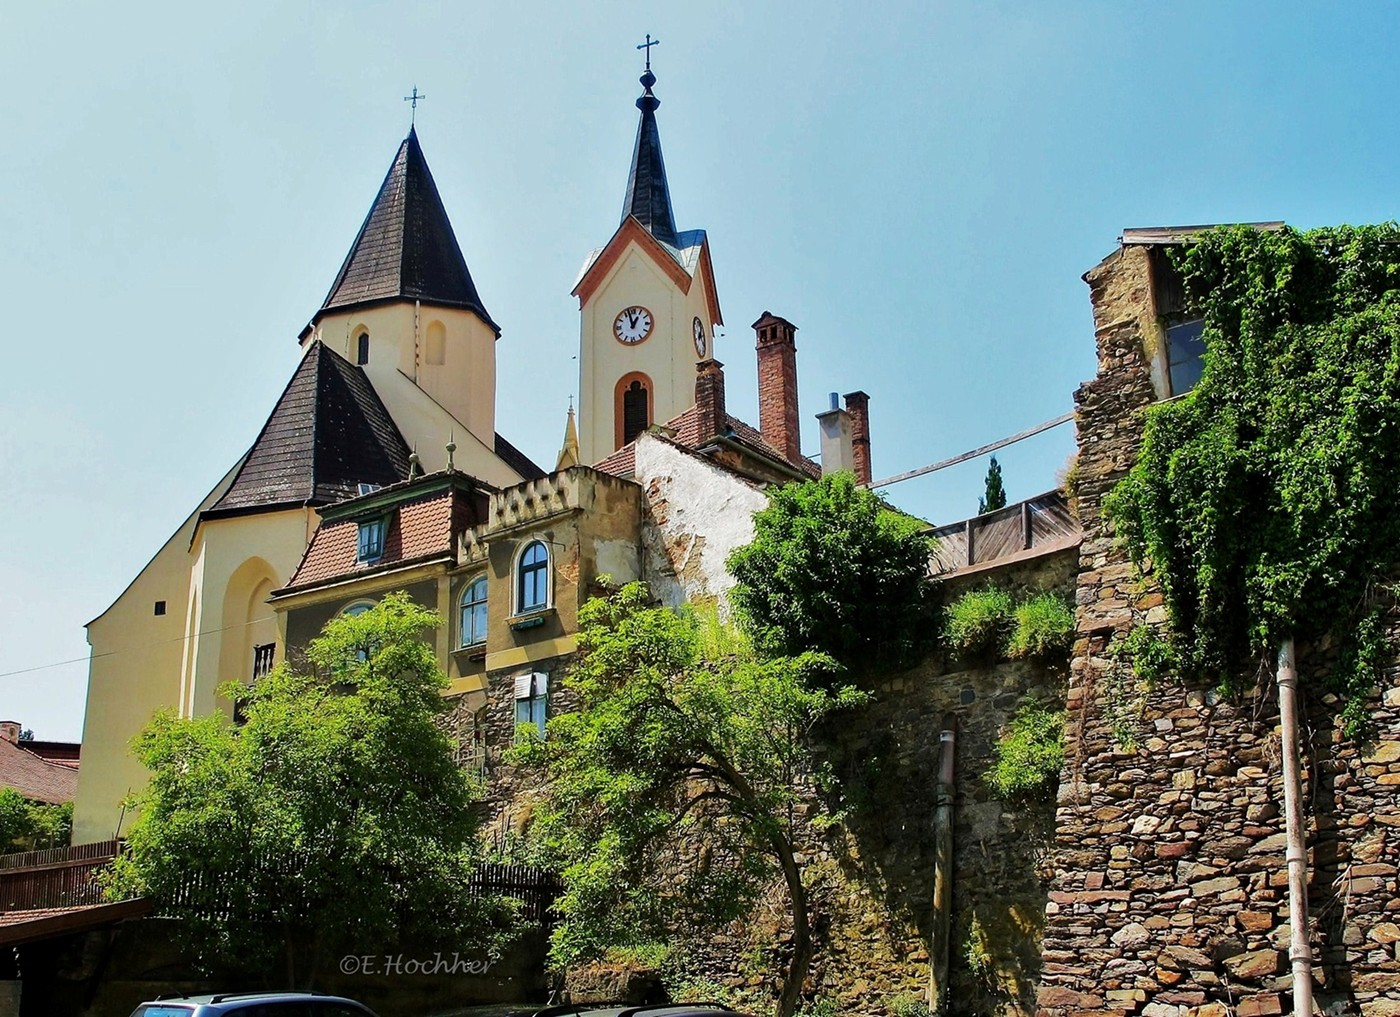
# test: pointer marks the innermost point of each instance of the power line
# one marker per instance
(983, 450)
(141, 646)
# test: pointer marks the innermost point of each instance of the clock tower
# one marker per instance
(647, 305)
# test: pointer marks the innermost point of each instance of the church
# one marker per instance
(380, 469)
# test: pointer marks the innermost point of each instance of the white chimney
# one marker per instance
(838, 449)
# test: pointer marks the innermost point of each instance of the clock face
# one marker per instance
(632, 325)
(699, 329)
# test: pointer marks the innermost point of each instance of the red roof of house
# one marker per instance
(418, 529)
(686, 433)
(35, 777)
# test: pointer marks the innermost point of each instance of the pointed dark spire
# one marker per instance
(406, 248)
(648, 196)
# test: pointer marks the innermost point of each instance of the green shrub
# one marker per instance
(1152, 657)
(977, 621)
(1044, 629)
(833, 568)
(910, 1006)
(821, 1008)
(1030, 754)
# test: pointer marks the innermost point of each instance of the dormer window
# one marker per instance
(532, 578)
(371, 542)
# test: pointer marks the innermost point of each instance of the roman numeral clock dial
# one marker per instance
(632, 325)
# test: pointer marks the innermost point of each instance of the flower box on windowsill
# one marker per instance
(530, 620)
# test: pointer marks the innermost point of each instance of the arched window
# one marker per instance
(474, 612)
(350, 611)
(532, 578)
(631, 407)
(362, 348)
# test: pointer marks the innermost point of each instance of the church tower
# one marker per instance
(404, 308)
(647, 304)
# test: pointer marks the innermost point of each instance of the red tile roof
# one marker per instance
(417, 529)
(35, 777)
(686, 432)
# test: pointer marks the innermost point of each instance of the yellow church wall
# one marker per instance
(667, 356)
(429, 402)
(213, 590)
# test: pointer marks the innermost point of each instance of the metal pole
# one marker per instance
(1300, 950)
(942, 871)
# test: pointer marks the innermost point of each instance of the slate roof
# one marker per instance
(685, 432)
(406, 248)
(648, 195)
(328, 433)
(35, 777)
(517, 460)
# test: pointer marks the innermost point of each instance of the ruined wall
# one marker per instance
(694, 515)
(872, 875)
(1169, 892)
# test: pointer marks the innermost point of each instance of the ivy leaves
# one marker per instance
(1266, 499)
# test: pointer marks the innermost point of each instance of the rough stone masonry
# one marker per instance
(1169, 891)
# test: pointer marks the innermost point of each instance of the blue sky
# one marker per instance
(918, 186)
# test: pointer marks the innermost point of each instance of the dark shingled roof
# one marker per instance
(406, 247)
(648, 195)
(327, 434)
(517, 460)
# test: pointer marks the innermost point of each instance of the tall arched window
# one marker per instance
(631, 407)
(532, 578)
(474, 612)
(362, 348)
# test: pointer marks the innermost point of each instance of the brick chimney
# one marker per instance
(777, 384)
(858, 406)
(709, 398)
(9, 731)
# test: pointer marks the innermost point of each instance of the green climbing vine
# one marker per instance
(1267, 501)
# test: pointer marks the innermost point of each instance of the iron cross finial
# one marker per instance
(413, 99)
(647, 46)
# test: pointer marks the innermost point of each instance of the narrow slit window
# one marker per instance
(636, 411)
(362, 348)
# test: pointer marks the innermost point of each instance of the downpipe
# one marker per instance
(1300, 949)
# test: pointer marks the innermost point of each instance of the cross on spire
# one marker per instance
(413, 99)
(647, 46)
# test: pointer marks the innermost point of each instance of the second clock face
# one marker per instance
(699, 329)
(632, 325)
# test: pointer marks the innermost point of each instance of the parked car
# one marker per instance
(254, 1004)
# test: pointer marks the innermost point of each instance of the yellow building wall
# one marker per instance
(667, 356)
(430, 402)
(214, 590)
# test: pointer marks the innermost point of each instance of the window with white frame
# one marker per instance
(474, 612)
(531, 701)
(371, 543)
(532, 578)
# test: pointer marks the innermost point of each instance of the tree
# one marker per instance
(334, 819)
(672, 786)
(833, 568)
(32, 826)
(994, 495)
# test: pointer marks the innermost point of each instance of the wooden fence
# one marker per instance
(535, 887)
(57, 878)
(70, 877)
(1045, 521)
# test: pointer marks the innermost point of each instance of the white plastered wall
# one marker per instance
(695, 514)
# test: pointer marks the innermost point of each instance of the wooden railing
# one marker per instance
(57, 878)
(69, 877)
(1044, 521)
